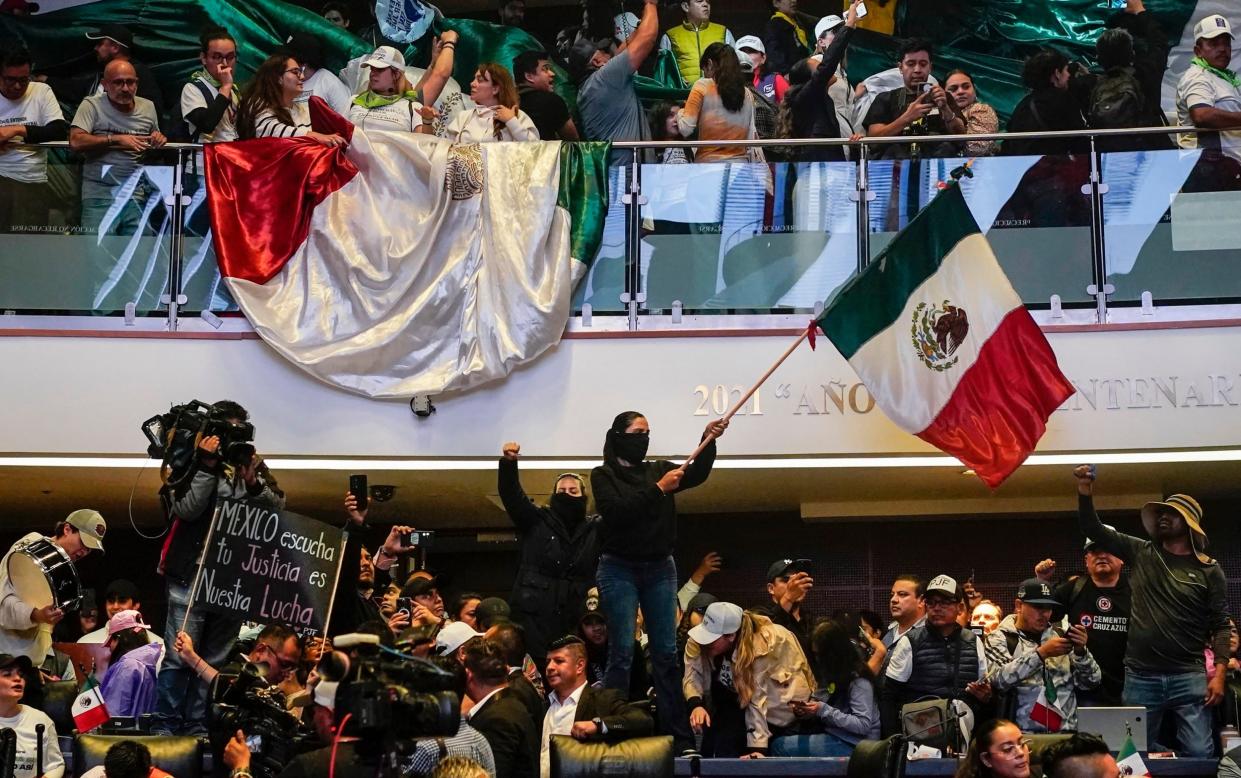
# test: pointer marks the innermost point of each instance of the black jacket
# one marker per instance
(556, 568)
(512, 734)
(521, 688)
(621, 719)
(812, 109)
(639, 520)
(351, 607)
(191, 510)
(784, 49)
(1051, 109)
(941, 668)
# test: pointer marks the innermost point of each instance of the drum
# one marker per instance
(42, 574)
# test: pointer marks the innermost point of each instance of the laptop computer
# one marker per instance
(1114, 725)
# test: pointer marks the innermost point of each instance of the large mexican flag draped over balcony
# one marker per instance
(942, 341)
(405, 265)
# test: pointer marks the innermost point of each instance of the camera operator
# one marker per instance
(181, 702)
(278, 648)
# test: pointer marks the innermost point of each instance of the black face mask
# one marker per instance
(566, 506)
(631, 446)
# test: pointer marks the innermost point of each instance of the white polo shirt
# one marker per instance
(1200, 87)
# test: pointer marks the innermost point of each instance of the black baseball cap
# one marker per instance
(1035, 592)
(420, 587)
(700, 603)
(20, 660)
(491, 611)
(117, 33)
(783, 567)
(122, 589)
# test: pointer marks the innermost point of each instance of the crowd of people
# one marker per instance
(789, 82)
(601, 641)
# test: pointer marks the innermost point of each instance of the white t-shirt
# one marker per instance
(37, 107)
(1201, 87)
(399, 116)
(325, 84)
(23, 725)
(192, 100)
(477, 125)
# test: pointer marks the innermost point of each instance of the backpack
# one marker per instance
(1116, 101)
(179, 129)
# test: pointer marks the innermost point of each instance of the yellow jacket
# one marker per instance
(688, 43)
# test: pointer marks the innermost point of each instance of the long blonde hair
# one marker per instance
(746, 653)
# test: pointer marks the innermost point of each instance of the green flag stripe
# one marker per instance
(584, 194)
(873, 299)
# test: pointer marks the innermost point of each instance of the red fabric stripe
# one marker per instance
(262, 193)
(1000, 408)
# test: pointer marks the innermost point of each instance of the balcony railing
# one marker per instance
(1087, 237)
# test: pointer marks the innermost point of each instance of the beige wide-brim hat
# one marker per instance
(1190, 510)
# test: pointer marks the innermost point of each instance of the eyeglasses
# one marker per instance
(222, 57)
(1010, 750)
(299, 71)
(15, 80)
(937, 603)
(124, 82)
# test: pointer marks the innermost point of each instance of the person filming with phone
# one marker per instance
(1030, 659)
(361, 573)
(917, 108)
(788, 583)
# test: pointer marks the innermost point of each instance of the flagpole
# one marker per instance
(750, 393)
(202, 560)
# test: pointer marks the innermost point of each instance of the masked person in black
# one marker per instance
(559, 554)
(637, 502)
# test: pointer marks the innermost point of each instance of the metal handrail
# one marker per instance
(865, 140)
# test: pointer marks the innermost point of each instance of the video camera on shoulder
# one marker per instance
(246, 701)
(391, 700)
(174, 437)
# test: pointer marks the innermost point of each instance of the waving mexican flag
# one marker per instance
(405, 265)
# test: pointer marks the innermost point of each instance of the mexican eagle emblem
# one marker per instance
(938, 331)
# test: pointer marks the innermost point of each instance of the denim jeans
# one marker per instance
(625, 584)
(821, 744)
(180, 697)
(1181, 696)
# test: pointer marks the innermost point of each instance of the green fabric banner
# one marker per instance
(988, 38)
(584, 194)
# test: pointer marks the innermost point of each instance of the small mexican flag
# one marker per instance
(1129, 760)
(1045, 711)
(89, 710)
(942, 341)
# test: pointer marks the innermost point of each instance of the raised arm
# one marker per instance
(1118, 543)
(520, 509)
(642, 42)
(436, 77)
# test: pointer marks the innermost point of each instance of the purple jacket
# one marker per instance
(128, 686)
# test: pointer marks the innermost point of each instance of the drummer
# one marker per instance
(26, 630)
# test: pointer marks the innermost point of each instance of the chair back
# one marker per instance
(182, 757)
(878, 758)
(639, 757)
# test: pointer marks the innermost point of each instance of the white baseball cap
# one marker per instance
(1212, 27)
(752, 42)
(385, 57)
(720, 619)
(944, 585)
(827, 24)
(453, 637)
